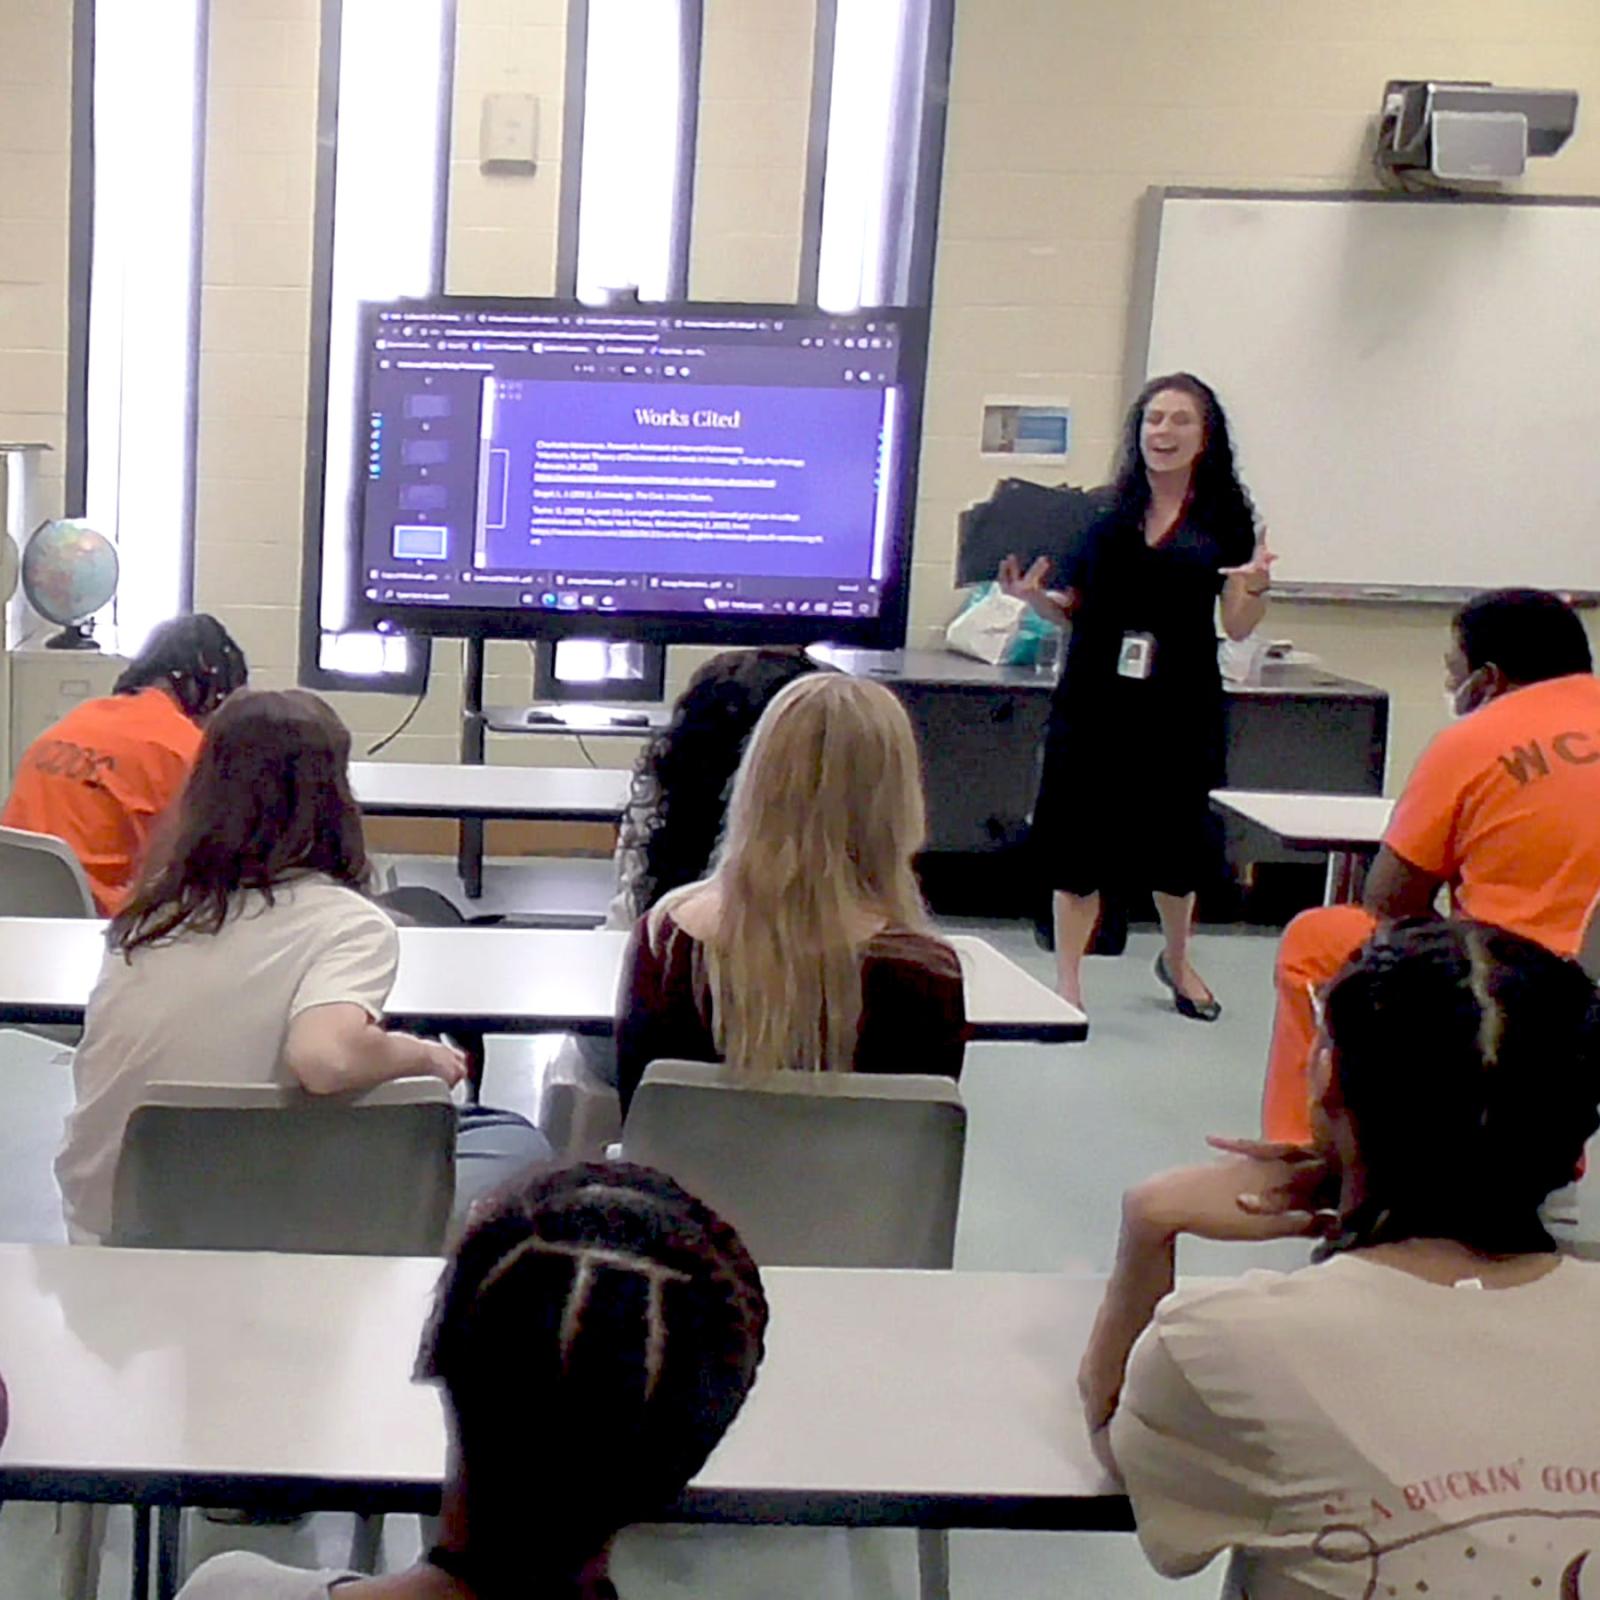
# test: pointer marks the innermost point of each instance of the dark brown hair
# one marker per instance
(194, 658)
(268, 800)
(1217, 497)
(1531, 636)
(596, 1331)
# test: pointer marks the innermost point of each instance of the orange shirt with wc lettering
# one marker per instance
(101, 778)
(1504, 805)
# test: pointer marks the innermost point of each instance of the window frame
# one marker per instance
(413, 680)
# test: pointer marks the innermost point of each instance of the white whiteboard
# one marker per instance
(1414, 386)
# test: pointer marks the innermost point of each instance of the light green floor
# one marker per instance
(1056, 1134)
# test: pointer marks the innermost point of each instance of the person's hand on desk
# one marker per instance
(1054, 605)
(338, 1048)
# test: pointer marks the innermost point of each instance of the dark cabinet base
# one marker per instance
(980, 729)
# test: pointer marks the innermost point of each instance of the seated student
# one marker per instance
(1408, 1416)
(680, 785)
(595, 1333)
(807, 947)
(1503, 808)
(679, 798)
(248, 953)
(102, 776)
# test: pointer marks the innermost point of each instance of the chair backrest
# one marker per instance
(844, 1169)
(246, 1167)
(1589, 944)
(41, 877)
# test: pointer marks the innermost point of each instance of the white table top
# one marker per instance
(1312, 821)
(434, 789)
(499, 980)
(159, 1376)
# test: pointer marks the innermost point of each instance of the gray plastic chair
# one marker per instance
(255, 1167)
(833, 1169)
(41, 877)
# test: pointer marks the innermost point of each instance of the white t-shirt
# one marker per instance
(241, 1576)
(213, 1008)
(1351, 1430)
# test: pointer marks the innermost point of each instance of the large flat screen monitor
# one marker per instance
(688, 473)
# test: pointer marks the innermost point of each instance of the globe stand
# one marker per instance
(79, 636)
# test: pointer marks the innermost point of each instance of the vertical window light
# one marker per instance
(139, 418)
(875, 100)
(639, 91)
(388, 219)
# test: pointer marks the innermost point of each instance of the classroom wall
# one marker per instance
(750, 165)
(1062, 114)
(35, 152)
(261, 158)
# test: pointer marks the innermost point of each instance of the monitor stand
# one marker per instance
(576, 718)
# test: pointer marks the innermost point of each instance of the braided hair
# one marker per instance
(596, 1331)
(194, 658)
(1467, 1059)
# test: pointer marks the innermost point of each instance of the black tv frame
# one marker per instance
(886, 631)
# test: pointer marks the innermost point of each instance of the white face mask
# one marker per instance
(1466, 697)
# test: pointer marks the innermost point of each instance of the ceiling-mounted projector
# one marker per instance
(1469, 132)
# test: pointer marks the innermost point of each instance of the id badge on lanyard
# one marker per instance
(1137, 657)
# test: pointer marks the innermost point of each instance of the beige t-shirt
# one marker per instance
(1351, 1430)
(213, 1008)
(243, 1576)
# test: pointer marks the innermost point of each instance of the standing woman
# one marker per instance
(1135, 743)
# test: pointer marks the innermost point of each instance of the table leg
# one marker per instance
(469, 851)
(469, 857)
(140, 1588)
(169, 1551)
(1347, 872)
(933, 1564)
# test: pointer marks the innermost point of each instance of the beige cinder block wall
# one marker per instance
(35, 162)
(1064, 112)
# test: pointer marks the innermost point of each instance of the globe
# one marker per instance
(69, 571)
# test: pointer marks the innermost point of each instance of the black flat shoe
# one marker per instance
(1207, 1010)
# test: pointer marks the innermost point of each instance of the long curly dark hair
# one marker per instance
(596, 1331)
(682, 781)
(1217, 499)
(1467, 1060)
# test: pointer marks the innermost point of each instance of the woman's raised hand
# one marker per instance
(1257, 571)
(1053, 605)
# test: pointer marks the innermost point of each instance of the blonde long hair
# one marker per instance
(825, 817)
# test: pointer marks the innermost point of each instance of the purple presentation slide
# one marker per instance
(729, 480)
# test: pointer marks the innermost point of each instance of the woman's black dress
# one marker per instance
(1129, 762)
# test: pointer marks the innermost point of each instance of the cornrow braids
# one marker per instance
(596, 1331)
(1468, 1061)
